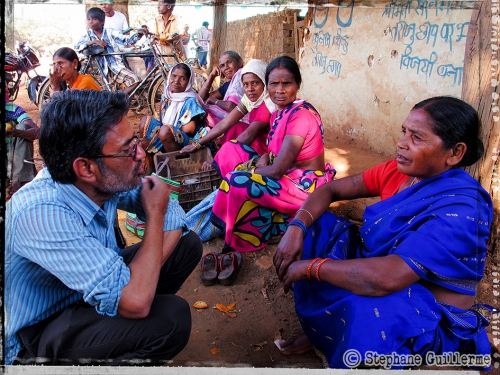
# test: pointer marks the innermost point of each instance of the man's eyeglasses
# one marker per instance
(131, 152)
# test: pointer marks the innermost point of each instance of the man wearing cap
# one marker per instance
(114, 19)
(202, 39)
(168, 29)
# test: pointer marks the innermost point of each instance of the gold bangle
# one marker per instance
(197, 144)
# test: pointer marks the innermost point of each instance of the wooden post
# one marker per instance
(9, 27)
(480, 88)
(219, 33)
(122, 6)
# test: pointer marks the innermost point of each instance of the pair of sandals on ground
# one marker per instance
(222, 267)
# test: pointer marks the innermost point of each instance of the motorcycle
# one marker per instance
(17, 66)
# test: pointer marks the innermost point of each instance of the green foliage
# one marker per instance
(141, 14)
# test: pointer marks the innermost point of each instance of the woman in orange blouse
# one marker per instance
(66, 68)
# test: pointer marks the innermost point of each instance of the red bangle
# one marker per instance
(317, 268)
(308, 273)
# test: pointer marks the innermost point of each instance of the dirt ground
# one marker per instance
(262, 311)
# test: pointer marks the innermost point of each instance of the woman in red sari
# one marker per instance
(257, 200)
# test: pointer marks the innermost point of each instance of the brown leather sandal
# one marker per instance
(229, 266)
(209, 268)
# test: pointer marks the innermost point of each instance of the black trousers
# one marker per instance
(80, 336)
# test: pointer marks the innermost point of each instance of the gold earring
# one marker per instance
(75, 67)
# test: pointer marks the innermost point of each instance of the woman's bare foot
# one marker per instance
(296, 345)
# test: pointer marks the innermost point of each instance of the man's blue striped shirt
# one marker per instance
(61, 248)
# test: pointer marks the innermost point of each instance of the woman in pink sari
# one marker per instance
(219, 103)
(257, 200)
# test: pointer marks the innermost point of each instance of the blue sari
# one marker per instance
(439, 227)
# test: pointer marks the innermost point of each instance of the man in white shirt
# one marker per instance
(114, 19)
(202, 39)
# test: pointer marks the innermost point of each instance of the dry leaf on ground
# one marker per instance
(214, 350)
(224, 308)
(259, 346)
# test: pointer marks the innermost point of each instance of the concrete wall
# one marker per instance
(263, 37)
(365, 66)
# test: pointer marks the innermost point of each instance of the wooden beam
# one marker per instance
(219, 33)
(480, 88)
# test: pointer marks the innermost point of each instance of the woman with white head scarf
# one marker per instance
(181, 114)
(255, 102)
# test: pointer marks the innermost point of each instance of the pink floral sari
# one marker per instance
(252, 208)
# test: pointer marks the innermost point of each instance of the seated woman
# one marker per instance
(405, 281)
(256, 201)
(219, 103)
(66, 68)
(255, 101)
(181, 113)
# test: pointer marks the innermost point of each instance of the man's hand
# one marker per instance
(155, 195)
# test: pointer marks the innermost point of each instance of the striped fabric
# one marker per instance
(203, 37)
(115, 39)
(60, 247)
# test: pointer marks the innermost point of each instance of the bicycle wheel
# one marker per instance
(154, 96)
(44, 94)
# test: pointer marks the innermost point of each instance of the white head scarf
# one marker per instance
(257, 67)
(177, 100)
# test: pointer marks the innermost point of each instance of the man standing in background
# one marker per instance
(166, 26)
(202, 39)
(114, 19)
(186, 37)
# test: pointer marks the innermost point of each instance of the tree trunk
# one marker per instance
(122, 6)
(219, 33)
(9, 26)
(481, 89)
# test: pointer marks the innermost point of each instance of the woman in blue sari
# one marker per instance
(181, 115)
(404, 283)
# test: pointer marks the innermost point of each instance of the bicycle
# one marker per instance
(150, 89)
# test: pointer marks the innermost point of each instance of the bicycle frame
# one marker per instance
(149, 90)
(161, 66)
